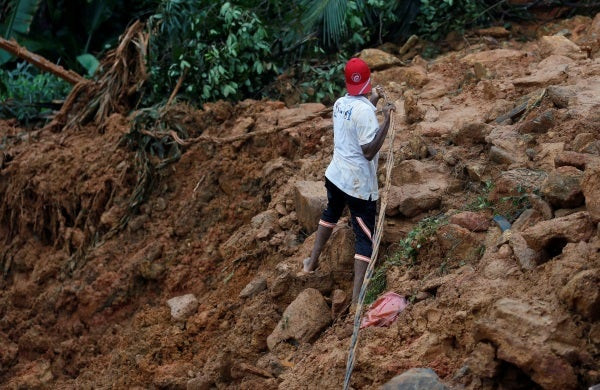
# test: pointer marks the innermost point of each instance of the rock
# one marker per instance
(415, 379)
(199, 383)
(527, 219)
(562, 188)
(471, 133)
(183, 306)
(561, 95)
(541, 206)
(582, 294)
(413, 112)
(476, 172)
(573, 159)
(302, 320)
(547, 154)
(552, 70)
(539, 124)
(590, 186)
(413, 76)
(475, 222)
(482, 360)
(560, 45)
(493, 57)
(433, 129)
(378, 59)
(310, 198)
(527, 257)
(520, 331)
(254, 287)
(458, 243)
(338, 255)
(494, 31)
(242, 125)
(420, 172)
(508, 146)
(287, 117)
(338, 302)
(8, 352)
(582, 140)
(411, 200)
(552, 235)
(517, 182)
(505, 156)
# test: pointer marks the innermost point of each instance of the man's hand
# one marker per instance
(388, 107)
(376, 94)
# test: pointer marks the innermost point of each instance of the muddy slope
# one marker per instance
(499, 127)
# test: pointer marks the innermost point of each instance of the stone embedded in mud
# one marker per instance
(310, 198)
(411, 200)
(458, 243)
(183, 306)
(527, 257)
(475, 222)
(582, 294)
(590, 186)
(560, 45)
(338, 302)
(199, 383)
(527, 219)
(302, 320)
(471, 133)
(492, 57)
(561, 95)
(562, 188)
(539, 124)
(414, 113)
(338, 255)
(520, 331)
(415, 379)
(378, 59)
(516, 182)
(482, 361)
(582, 140)
(413, 76)
(573, 159)
(552, 235)
(254, 287)
(289, 116)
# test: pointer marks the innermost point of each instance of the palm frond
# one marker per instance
(22, 16)
(332, 15)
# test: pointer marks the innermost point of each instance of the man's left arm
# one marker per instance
(370, 150)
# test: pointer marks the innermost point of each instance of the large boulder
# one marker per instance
(415, 379)
(458, 243)
(521, 330)
(413, 76)
(310, 198)
(289, 117)
(515, 182)
(562, 188)
(590, 186)
(379, 59)
(492, 57)
(471, 133)
(302, 320)
(552, 70)
(552, 235)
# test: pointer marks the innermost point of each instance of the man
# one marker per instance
(351, 178)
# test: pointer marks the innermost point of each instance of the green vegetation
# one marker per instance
(26, 93)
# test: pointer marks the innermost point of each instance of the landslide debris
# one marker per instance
(199, 285)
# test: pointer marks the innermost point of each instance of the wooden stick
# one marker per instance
(40, 62)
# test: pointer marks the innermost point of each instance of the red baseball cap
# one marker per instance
(358, 77)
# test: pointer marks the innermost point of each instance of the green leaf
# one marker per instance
(89, 63)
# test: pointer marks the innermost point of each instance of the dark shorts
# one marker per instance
(363, 218)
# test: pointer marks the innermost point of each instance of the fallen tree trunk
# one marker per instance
(40, 62)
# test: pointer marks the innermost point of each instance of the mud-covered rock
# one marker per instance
(475, 222)
(519, 330)
(413, 76)
(561, 95)
(539, 124)
(516, 182)
(255, 286)
(412, 199)
(378, 59)
(491, 57)
(590, 186)
(183, 306)
(573, 159)
(560, 45)
(562, 188)
(302, 320)
(458, 242)
(415, 379)
(471, 133)
(482, 361)
(552, 235)
(582, 294)
(527, 257)
(310, 198)
(338, 302)
(414, 113)
(582, 141)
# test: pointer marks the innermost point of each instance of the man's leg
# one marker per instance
(329, 218)
(363, 224)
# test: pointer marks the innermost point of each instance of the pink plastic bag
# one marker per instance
(384, 310)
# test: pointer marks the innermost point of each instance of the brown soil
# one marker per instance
(83, 303)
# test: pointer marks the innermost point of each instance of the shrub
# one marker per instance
(25, 93)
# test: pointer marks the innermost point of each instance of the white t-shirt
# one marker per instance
(354, 124)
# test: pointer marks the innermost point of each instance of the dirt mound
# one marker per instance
(86, 276)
